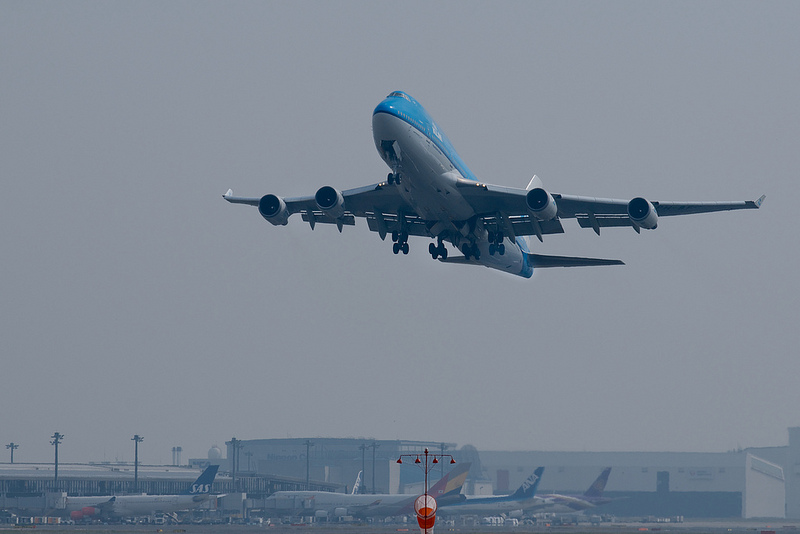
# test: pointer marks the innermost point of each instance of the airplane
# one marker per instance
(498, 504)
(141, 505)
(430, 192)
(558, 503)
(335, 505)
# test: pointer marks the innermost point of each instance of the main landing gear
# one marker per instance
(393, 178)
(400, 242)
(471, 250)
(496, 243)
(439, 251)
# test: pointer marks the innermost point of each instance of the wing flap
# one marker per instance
(319, 217)
(412, 225)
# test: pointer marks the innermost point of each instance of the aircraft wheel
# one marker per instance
(405, 248)
(390, 178)
(443, 253)
(501, 248)
(394, 235)
(492, 247)
(396, 248)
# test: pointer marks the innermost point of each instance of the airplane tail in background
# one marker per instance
(357, 484)
(529, 487)
(202, 486)
(449, 487)
(597, 487)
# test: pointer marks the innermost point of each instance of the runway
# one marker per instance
(723, 526)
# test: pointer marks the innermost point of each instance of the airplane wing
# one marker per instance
(503, 207)
(509, 207)
(380, 204)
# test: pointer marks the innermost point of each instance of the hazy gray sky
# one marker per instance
(135, 300)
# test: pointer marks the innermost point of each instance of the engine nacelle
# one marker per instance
(642, 213)
(541, 204)
(273, 209)
(330, 201)
(340, 512)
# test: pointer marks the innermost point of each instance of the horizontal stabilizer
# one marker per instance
(540, 260)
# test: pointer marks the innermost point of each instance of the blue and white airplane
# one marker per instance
(523, 498)
(430, 192)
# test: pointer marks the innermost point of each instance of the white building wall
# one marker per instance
(573, 472)
(766, 489)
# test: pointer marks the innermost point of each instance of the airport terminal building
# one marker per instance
(749, 483)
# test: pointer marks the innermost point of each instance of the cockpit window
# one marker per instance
(401, 94)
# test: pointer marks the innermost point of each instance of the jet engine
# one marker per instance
(541, 204)
(643, 213)
(273, 209)
(330, 201)
(340, 512)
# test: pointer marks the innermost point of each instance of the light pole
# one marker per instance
(234, 443)
(425, 506)
(12, 446)
(374, 446)
(136, 439)
(308, 443)
(443, 448)
(57, 437)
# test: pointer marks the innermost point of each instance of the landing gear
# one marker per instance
(393, 178)
(400, 242)
(439, 251)
(496, 243)
(471, 250)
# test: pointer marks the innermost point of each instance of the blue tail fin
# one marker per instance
(531, 484)
(202, 486)
(597, 487)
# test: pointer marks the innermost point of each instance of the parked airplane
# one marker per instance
(557, 503)
(334, 505)
(430, 192)
(142, 505)
(499, 504)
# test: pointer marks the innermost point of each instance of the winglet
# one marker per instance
(760, 201)
(228, 194)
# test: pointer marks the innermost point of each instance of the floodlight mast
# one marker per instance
(429, 463)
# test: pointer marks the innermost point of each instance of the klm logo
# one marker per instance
(200, 488)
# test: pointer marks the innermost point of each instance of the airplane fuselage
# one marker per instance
(417, 151)
(486, 505)
(338, 504)
(137, 505)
